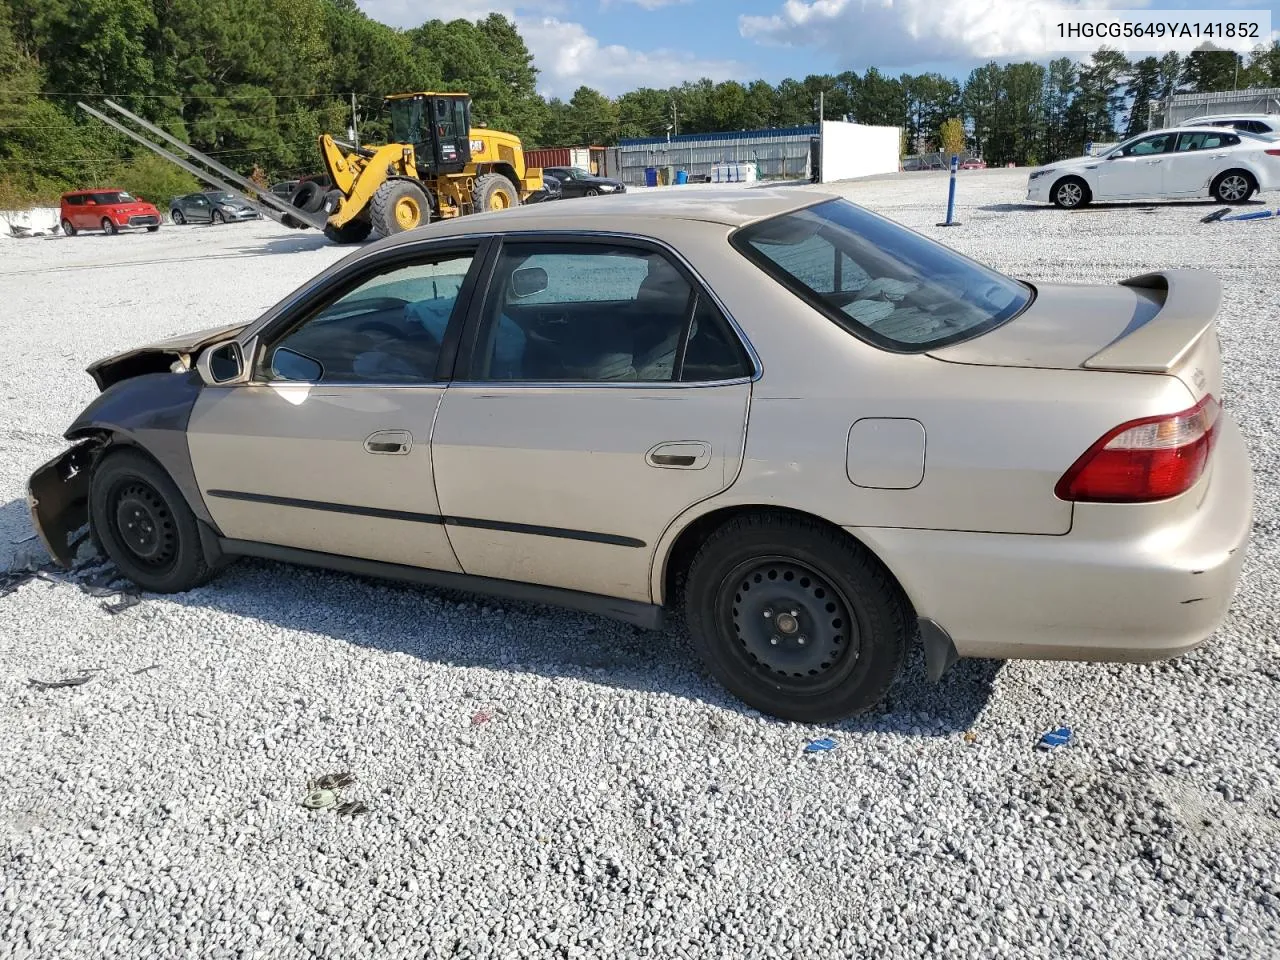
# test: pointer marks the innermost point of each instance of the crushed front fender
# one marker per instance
(58, 498)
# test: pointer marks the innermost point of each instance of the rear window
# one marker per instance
(880, 281)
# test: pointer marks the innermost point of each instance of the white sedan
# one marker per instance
(1227, 165)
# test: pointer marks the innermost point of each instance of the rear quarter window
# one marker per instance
(883, 283)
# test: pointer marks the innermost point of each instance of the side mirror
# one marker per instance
(220, 363)
(290, 365)
(527, 281)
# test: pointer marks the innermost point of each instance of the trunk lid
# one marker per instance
(1155, 323)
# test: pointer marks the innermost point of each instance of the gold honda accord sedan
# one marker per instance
(818, 436)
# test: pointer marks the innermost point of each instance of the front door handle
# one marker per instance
(1150, 162)
(389, 441)
(680, 455)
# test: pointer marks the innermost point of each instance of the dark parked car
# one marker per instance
(576, 182)
(551, 190)
(210, 207)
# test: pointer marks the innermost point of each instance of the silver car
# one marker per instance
(816, 435)
(211, 207)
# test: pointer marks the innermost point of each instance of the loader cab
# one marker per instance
(439, 127)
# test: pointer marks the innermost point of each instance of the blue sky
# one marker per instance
(616, 45)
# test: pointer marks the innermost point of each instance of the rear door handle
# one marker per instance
(680, 455)
(389, 441)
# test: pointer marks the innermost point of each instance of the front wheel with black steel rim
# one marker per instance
(795, 618)
(1234, 186)
(140, 520)
(1070, 192)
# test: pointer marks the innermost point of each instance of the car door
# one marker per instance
(327, 448)
(1196, 160)
(1135, 170)
(85, 215)
(600, 392)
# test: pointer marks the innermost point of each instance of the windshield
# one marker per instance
(113, 196)
(880, 281)
(407, 120)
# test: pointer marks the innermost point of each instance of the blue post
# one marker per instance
(951, 194)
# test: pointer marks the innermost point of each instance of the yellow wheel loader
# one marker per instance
(438, 167)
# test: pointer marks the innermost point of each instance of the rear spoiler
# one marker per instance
(1190, 306)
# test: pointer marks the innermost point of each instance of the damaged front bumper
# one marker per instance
(58, 498)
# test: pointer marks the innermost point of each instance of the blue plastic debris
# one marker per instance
(819, 746)
(1057, 737)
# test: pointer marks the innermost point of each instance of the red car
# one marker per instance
(974, 165)
(108, 210)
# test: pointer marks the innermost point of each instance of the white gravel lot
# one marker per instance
(615, 803)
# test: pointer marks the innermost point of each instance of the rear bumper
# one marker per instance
(1114, 588)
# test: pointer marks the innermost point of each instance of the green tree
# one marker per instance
(1143, 88)
(1264, 67)
(1211, 71)
(951, 136)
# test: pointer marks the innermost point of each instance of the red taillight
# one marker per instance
(1143, 460)
(1272, 153)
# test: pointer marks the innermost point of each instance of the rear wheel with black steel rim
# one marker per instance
(795, 618)
(140, 520)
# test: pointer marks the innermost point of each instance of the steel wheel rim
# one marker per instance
(499, 201)
(143, 525)
(1233, 188)
(407, 212)
(789, 624)
(1069, 194)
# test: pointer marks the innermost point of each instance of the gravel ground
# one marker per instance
(547, 784)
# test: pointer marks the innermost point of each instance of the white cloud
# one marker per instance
(565, 53)
(645, 4)
(570, 57)
(901, 33)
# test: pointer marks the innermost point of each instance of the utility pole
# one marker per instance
(675, 122)
(821, 113)
(355, 128)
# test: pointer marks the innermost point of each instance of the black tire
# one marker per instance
(353, 231)
(1070, 193)
(398, 197)
(68, 229)
(177, 217)
(108, 227)
(1233, 186)
(591, 192)
(162, 553)
(216, 217)
(823, 636)
(309, 197)
(491, 189)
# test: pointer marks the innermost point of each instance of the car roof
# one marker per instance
(728, 206)
(1274, 117)
(73, 193)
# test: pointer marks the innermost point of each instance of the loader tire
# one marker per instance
(353, 231)
(308, 197)
(397, 206)
(493, 191)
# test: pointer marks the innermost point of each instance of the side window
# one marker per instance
(389, 329)
(598, 313)
(76, 200)
(1150, 145)
(1227, 140)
